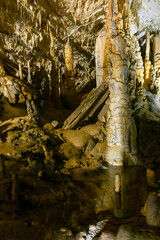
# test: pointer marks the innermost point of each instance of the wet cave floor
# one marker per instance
(62, 206)
(45, 202)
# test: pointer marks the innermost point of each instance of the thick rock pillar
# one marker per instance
(116, 69)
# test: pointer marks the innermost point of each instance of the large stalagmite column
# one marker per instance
(116, 68)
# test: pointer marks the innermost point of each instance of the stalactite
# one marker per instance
(47, 26)
(147, 63)
(68, 56)
(115, 6)
(99, 55)
(110, 8)
(52, 49)
(135, 6)
(147, 45)
(126, 17)
(70, 79)
(139, 62)
(156, 60)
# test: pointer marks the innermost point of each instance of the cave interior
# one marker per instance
(79, 119)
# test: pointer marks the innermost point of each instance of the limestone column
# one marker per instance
(116, 68)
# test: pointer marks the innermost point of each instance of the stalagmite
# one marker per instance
(32, 111)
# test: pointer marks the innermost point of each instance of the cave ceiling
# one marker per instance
(25, 28)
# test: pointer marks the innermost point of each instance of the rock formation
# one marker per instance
(115, 73)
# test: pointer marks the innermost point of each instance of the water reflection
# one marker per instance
(119, 190)
(126, 187)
